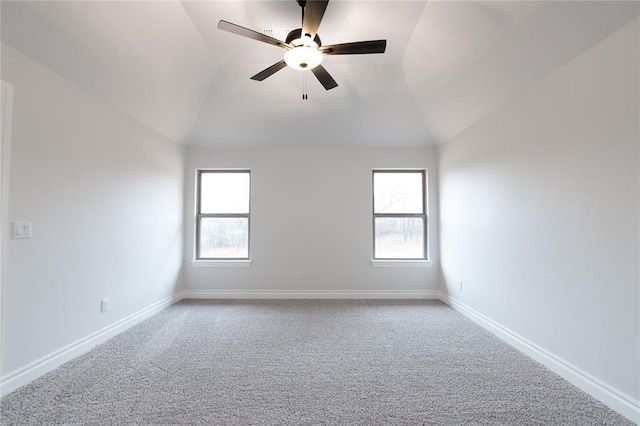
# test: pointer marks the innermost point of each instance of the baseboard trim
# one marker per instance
(28, 373)
(308, 294)
(614, 399)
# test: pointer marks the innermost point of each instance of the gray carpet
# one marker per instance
(304, 363)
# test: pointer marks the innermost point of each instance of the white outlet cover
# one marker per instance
(21, 230)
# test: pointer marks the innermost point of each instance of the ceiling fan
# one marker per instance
(303, 45)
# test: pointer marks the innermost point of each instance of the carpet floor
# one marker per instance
(304, 362)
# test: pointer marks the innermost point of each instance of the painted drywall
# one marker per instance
(310, 212)
(104, 194)
(539, 214)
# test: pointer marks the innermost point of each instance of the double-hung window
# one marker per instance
(222, 214)
(399, 219)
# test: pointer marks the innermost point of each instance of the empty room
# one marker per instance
(320, 212)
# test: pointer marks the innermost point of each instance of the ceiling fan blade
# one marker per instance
(246, 32)
(313, 13)
(356, 48)
(269, 71)
(324, 77)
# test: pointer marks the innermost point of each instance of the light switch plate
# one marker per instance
(21, 230)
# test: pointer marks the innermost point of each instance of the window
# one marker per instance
(222, 214)
(399, 219)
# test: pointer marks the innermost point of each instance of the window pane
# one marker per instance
(224, 192)
(399, 238)
(224, 237)
(398, 192)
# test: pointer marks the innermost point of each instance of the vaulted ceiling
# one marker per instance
(448, 64)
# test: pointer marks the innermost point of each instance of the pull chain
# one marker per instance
(305, 95)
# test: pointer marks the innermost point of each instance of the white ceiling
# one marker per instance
(448, 64)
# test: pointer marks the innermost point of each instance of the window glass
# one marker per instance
(398, 192)
(222, 237)
(224, 192)
(399, 237)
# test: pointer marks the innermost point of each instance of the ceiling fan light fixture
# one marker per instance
(303, 45)
(304, 56)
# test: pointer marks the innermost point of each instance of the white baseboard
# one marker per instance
(28, 373)
(614, 399)
(309, 294)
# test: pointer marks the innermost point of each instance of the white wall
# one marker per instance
(311, 212)
(104, 193)
(539, 214)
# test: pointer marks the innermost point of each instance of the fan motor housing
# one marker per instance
(297, 33)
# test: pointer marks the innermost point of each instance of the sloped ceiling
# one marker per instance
(448, 64)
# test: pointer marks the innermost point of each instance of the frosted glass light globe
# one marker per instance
(304, 56)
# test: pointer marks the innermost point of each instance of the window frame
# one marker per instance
(423, 216)
(199, 216)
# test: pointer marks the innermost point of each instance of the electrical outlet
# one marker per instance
(104, 305)
(460, 285)
(298, 275)
(21, 230)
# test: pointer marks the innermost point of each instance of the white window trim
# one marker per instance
(389, 263)
(244, 263)
(406, 263)
(217, 262)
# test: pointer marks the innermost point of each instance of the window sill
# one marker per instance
(221, 263)
(401, 263)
